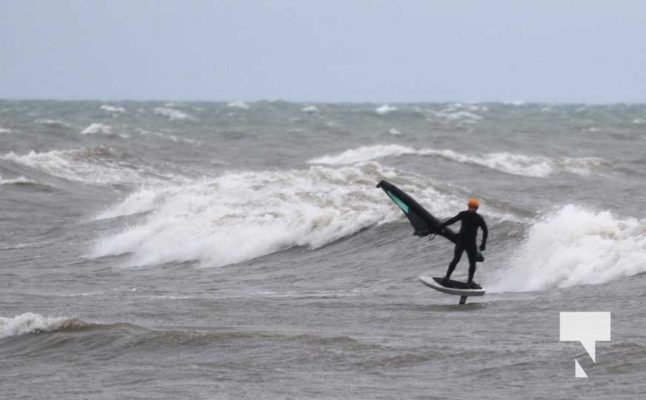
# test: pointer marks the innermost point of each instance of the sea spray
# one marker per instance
(30, 323)
(243, 215)
(574, 246)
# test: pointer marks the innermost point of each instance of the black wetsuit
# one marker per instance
(466, 239)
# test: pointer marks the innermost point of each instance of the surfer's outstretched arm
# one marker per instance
(449, 222)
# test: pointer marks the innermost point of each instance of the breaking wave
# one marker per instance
(35, 323)
(21, 180)
(241, 216)
(113, 109)
(94, 166)
(97, 128)
(574, 246)
(515, 164)
(385, 109)
(173, 114)
(244, 215)
(239, 105)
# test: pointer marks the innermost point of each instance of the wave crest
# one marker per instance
(514, 164)
(240, 216)
(92, 165)
(572, 247)
(35, 323)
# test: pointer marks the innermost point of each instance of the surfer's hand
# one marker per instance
(483, 247)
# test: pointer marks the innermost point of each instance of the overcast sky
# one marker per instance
(325, 50)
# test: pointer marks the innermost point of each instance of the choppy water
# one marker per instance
(215, 251)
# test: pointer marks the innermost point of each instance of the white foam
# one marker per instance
(173, 114)
(5, 131)
(365, 153)
(574, 246)
(240, 216)
(238, 104)
(463, 115)
(385, 109)
(144, 200)
(394, 131)
(456, 113)
(310, 109)
(515, 164)
(97, 166)
(582, 165)
(30, 323)
(517, 103)
(97, 128)
(21, 180)
(113, 109)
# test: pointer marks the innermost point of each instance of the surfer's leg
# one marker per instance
(472, 253)
(457, 254)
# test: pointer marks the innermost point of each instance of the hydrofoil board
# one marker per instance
(451, 287)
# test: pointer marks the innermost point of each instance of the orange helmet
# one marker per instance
(474, 203)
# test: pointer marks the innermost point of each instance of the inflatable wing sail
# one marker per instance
(423, 221)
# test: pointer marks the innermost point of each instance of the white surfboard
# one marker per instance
(451, 287)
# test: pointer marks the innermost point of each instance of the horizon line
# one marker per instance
(279, 100)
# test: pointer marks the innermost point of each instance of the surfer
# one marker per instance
(466, 239)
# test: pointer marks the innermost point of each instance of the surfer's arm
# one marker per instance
(485, 234)
(449, 222)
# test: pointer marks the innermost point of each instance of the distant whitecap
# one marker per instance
(385, 109)
(97, 128)
(173, 114)
(239, 105)
(113, 109)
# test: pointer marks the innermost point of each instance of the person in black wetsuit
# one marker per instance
(466, 239)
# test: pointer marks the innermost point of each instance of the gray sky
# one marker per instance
(325, 50)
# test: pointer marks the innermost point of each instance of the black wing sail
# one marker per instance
(423, 221)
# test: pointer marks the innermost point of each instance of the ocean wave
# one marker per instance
(113, 109)
(574, 246)
(241, 216)
(21, 180)
(53, 123)
(172, 138)
(97, 128)
(95, 165)
(514, 164)
(458, 113)
(385, 109)
(5, 131)
(239, 105)
(365, 153)
(310, 110)
(35, 323)
(173, 114)
(32, 323)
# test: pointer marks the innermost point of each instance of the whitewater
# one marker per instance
(242, 250)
